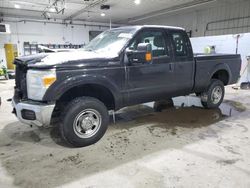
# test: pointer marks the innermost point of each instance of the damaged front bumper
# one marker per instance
(33, 113)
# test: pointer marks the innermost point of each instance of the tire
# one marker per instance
(209, 98)
(84, 121)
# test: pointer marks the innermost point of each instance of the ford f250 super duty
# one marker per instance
(120, 67)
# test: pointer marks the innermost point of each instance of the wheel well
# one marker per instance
(221, 75)
(91, 90)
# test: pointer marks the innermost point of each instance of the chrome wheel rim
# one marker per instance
(216, 95)
(87, 123)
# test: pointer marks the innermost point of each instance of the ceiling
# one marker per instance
(121, 11)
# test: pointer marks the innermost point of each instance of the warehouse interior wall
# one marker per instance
(47, 33)
(219, 18)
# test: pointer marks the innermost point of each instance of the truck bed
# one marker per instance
(208, 64)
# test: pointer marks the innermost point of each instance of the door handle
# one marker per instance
(171, 67)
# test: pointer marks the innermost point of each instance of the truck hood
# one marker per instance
(58, 59)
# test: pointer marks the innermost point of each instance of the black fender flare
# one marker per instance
(59, 87)
(221, 67)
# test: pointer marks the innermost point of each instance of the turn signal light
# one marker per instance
(148, 57)
(48, 81)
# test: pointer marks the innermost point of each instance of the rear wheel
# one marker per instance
(84, 121)
(214, 95)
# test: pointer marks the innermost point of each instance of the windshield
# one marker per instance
(111, 41)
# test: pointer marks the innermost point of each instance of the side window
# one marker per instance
(180, 45)
(155, 38)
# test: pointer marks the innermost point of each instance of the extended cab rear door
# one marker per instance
(183, 62)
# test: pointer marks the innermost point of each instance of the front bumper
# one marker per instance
(41, 113)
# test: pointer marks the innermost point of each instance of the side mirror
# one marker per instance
(143, 54)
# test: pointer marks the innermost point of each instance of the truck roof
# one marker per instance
(150, 26)
(163, 26)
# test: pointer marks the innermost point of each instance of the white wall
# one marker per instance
(197, 19)
(226, 44)
(46, 33)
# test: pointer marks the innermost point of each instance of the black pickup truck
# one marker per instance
(120, 67)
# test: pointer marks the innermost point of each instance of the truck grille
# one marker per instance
(20, 80)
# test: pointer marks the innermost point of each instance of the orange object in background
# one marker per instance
(11, 53)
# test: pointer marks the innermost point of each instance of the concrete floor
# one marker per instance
(182, 147)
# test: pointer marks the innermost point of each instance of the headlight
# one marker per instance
(38, 81)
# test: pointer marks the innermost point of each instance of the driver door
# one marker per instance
(150, 81)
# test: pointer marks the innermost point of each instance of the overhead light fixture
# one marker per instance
(104, 8)
(17, 6)
(137, 2)
(52, 9)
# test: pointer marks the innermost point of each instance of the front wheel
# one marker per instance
(84, 121)
(214, 95)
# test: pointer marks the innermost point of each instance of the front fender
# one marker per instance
(57, 89)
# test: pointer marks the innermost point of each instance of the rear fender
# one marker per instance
(219, 67)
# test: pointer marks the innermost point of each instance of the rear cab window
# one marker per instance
(181, 45)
